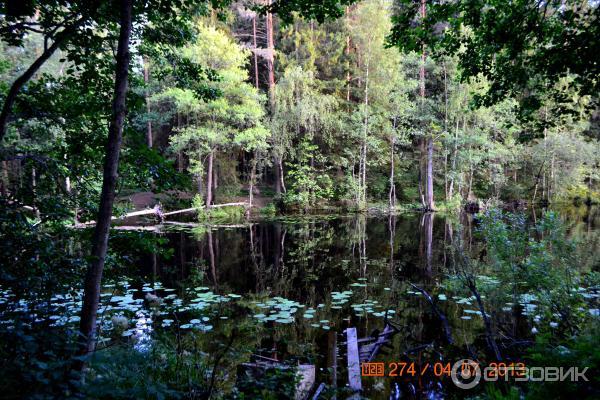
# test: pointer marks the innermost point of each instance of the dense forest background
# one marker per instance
(243, 114)
(311, 114)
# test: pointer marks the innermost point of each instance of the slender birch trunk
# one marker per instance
(255, 48)
(429, 188)
(209, 179)
(392, 193)
(363, 162)
(36, 209)
(147, 94)
(429, 201)
(93, 279)
(255, 157)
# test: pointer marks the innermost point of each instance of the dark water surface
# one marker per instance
(303, 281)
(288, 288)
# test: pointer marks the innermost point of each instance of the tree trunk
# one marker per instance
(209, 179)
(429, 185)
(429, 203)
(453, 168)
(34, 193)
(255, 48)
(279, 180)
(252, 178)
(68, 182)
(446, 189)
(348, 76)
(215, 177)
(147, 94)
(363, 161)
(392, 193)
(422, 68)
(470, 188)
(282, 183)
(179, 154)
(278, 177)
(279, 185)
(271, 48)
(422, 173)
(11, 96)
(5, 179)
(544, 188)
(200, 184)
(551, 186)
(93, 277)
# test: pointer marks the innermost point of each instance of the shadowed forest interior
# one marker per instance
(254, 199)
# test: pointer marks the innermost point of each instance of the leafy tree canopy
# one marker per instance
(525, 48)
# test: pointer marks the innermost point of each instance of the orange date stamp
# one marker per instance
(438, 369)
(399, 369)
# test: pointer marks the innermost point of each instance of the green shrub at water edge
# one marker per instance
(220, 214)
(579, 351)
(269, 210)
(538, 262)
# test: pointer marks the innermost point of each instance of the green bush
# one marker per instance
(269, 210)
(271, 384)
(451, 205)
(220, 214)
(580, 351)
(122, 372)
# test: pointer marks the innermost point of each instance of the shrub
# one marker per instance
(220, 214)
(269, 210)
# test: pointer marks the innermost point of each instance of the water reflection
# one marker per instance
(307, 260)
(300, 282)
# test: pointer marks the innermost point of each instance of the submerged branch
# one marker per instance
(486, 321)
(437, 312)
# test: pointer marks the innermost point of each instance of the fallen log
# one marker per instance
(242, 203)
(353, 361)
(156, 210)
(196, 209)
(185, 210)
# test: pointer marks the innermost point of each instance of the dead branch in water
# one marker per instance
(158, 212)
(486, 320)
(437, 312)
